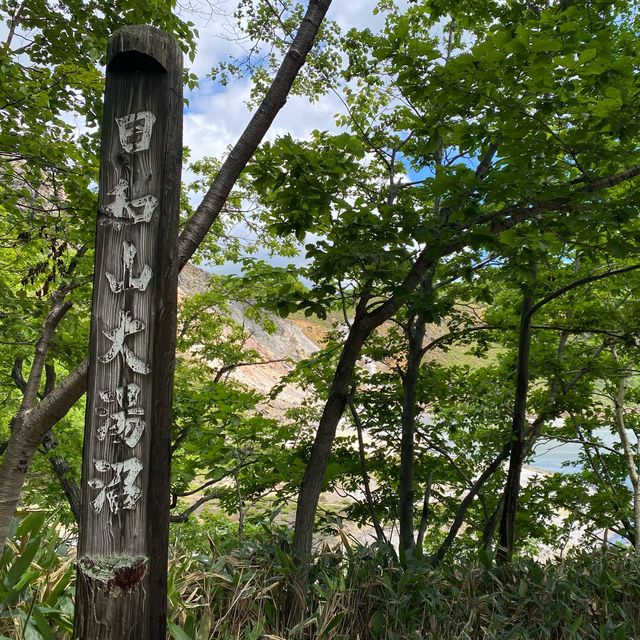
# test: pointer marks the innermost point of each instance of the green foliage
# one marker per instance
(359, 592)
(356, 592)
(271, 29)
(226, 447)
(38, 571)
(476, 135)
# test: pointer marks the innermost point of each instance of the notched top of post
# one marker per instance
(142, 49)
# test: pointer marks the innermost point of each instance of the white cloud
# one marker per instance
(217, 115)
(214, 120)
(356, 13)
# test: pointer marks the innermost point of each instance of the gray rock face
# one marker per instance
(288, 340)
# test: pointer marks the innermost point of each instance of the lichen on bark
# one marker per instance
(114, 574)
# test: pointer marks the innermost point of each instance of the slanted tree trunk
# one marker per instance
(23, 440)
(489, 530)
(458, 520)
(365, 475)
(311, 486)
(58, 464)
(275, 98)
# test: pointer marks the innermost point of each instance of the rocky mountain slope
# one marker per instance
(280, 349)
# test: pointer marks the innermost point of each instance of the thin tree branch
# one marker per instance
(16, 374)
(220, 478)
(230, 367)
(184, 516)
(365, 475)
(551, 327)
(58, 310)
(578, 283)
(456, 334)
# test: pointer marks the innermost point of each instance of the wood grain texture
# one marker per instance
(123, 551)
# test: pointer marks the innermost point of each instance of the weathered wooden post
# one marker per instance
(122, 552)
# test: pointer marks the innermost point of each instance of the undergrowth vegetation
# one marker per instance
(219, 589)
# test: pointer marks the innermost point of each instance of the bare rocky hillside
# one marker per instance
(281, 349)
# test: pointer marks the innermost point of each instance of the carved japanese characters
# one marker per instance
(119, 492)
(136, 211)
(130, 281)
(124, 423)
(127, 327)
(135, 130)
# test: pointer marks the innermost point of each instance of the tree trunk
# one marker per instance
(489, 530)
(512, 487)
(311, 486)
(64, 475)
(58, 464)
(416, 332)
(29, 432)
(25, 438)
(629, 453)
(436, 557)
(17, 457)
(424, 518)
(531, 437)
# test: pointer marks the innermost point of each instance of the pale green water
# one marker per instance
(552, 456)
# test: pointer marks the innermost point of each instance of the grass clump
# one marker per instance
(220, 589)
(362, 593)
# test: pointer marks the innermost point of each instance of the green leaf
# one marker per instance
(335, 621)
(22, 563)
(587, 55)
(177, 633)
(60, 586)
(42, 624)
(567, 27)
(547, 44)
(31, 523)
(620, 633)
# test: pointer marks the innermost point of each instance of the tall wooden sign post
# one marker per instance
(122, 553)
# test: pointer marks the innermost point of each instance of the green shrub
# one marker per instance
(219, 590)
(37, 572)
